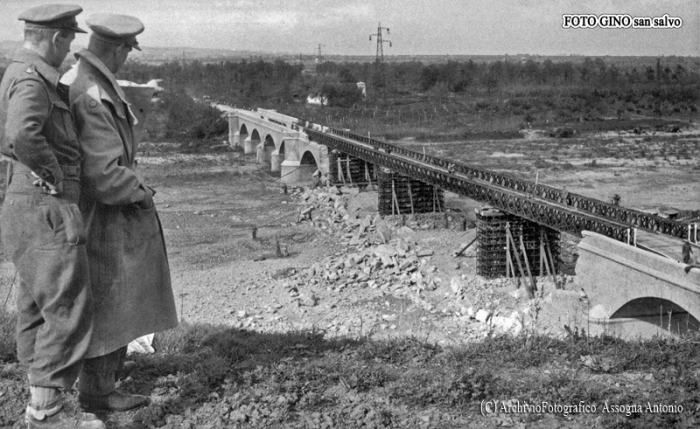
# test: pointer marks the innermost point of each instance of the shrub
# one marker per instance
(185, 118)
(341, 94)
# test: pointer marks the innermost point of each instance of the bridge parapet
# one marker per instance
(279, 118)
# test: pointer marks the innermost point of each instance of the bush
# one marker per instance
(341, 94)
(185, 118)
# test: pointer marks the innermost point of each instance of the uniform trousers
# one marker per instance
(44, 236)
(99, 374)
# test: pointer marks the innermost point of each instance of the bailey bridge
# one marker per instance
(626, 256)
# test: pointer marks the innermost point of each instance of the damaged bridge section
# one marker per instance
(615, 276)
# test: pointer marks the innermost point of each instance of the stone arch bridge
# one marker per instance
(279, 141)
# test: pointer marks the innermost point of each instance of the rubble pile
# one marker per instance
(387, 256)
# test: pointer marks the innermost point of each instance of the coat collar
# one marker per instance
(90, 58)
(49, 73)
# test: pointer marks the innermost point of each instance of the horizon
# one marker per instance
(148, 51)
(441, 28)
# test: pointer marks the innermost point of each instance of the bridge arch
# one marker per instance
(265, 150)
(308, 158)
(618, 278)
(251, 142)
(652, 315)
(652, 306)
(652, 303)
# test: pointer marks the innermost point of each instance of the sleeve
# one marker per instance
(103, 177)
(28, 110)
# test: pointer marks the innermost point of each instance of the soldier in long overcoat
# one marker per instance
(128, 262)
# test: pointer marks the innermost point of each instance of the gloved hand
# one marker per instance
(49, 188)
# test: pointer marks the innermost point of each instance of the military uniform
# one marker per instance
(130, 275)
(42, 229)
(44, 234)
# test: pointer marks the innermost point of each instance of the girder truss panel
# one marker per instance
(564, 211)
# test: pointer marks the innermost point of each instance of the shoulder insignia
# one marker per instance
(93, 103)
(29, 70)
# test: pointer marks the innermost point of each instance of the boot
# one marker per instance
(115, 401)
(97, 384)
(127, 368)
(57, 418)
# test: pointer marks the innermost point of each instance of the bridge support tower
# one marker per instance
(401, 195)
(347, 170)
(509, 246)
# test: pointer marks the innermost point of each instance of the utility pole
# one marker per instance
(380, 74)
(319, 56)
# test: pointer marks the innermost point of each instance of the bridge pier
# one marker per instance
(276, 159)
(260, 154)
(234, 140)
(267, 153)
(234, 134)
(296, 172)
(507, 244)
(250, 145)
(399, 194)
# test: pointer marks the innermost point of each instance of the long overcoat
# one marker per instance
(128, 262)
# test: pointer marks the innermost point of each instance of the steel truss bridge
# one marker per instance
(555, 208)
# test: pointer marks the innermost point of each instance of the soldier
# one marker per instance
(318, 178)
(129, 269)
(42, 230)
(687, 252)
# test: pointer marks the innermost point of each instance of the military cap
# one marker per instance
(116, 29)
(53, 16)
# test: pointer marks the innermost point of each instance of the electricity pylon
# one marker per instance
(319, 57)
(380, 74)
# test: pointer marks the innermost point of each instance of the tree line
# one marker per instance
(528, 89)
(255, 82)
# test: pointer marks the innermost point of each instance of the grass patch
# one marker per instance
(215, 375)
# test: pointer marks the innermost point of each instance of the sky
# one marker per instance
(416, 27)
